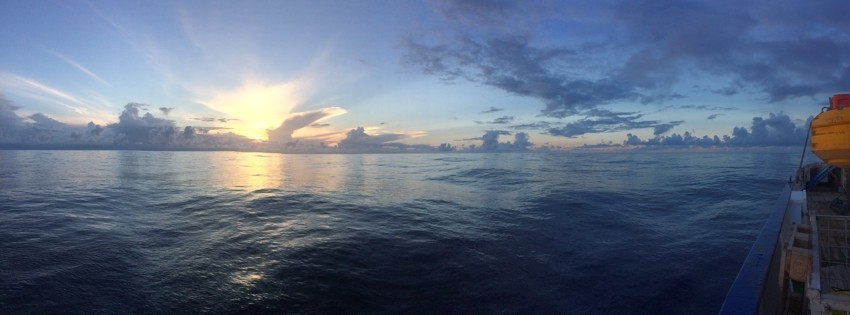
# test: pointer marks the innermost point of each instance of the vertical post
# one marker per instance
(845, 177)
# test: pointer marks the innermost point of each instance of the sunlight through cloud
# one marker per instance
(258, 106)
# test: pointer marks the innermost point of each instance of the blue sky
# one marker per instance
(567, 73)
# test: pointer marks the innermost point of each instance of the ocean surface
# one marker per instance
(125, 232)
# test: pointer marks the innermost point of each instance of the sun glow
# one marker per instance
(254, 132)
(255, 107)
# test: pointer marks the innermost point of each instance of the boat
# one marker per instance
(800, 261)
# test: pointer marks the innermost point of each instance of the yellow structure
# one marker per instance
(831, 132)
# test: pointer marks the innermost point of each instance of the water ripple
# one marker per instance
(158, 232)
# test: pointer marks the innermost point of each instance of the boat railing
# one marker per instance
(759, 275)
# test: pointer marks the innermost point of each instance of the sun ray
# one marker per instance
(257, 106)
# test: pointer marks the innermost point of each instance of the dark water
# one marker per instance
(224, 232)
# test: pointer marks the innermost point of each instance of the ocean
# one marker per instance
(129, 232)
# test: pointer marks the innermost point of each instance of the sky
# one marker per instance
(412, 75)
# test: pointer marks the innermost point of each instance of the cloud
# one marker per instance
(512, 65)
(37, 90)
(491, 110)
(601, 120)
(521, 141)
(166, 110)
(490, 141)
(207, 129)
(781, 51)
(775, 130)
(698, 107)
(686, 139)
(138, 129)
(502, 120)
(213, 119)
(135, 129)
(82, 69)
(10, 122)
(707, 107)
(533, 126)
(42, 121)
(476, 12)
(38, 128)
(357, 140)
(283, 133)
(320, 125)
(636, 51)
(713, 116)
(727, 91)
(498, 16)
(258, 105)
(663, 128)
(94, 129)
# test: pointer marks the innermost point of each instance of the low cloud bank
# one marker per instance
(137, 128)
(775, 130)
(134, 130)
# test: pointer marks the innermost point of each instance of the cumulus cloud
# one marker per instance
(42, 121)
(94, 129)
(775, 130)
(10, 122)
(138, 129)
(135, 129)
(521, 141)
(166, 110)
(635, 51)
(148, 131)
(490, 141)
(39, 129)
(358, 140)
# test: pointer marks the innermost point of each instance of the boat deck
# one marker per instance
(800, 262)
(833, 240)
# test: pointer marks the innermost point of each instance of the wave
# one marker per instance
(383, 234)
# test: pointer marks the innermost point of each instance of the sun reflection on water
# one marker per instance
(246, 278)
(257, 172)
